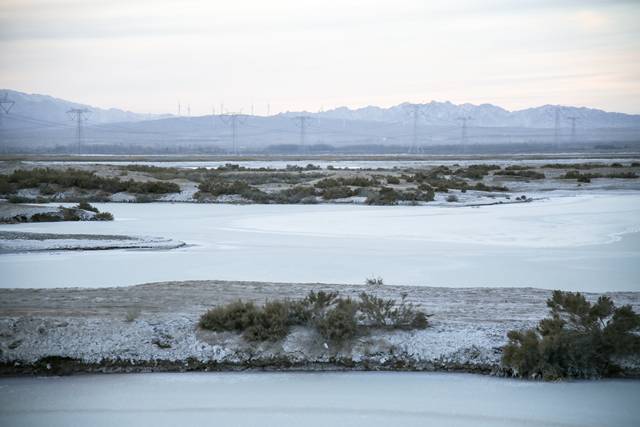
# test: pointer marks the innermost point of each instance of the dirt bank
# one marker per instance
(153, 327)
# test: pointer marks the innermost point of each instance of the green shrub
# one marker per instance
(86, 206)
(68, 178)
(388, 313)
(271, 323)
(19, 199)
(70, 214)
(45, 217)
(340, 192)
(579, 340)
(374, 281)
(393, 180)
(623, 175)
(581, 177)
(528, 174)
(386, 196)
(335, 319)
(476, 172)
(339, 323)
(104, 216)
(236, 316)
(297, 194)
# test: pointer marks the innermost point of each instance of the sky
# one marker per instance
(292, 55)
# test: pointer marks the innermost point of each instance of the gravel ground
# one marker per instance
(157, 323)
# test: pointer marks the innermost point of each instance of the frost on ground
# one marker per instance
(155, 325)
(11, 241)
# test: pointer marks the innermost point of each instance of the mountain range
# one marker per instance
(40, 120)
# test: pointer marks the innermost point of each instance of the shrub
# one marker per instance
(580, 177)
(297, 194)
(337, 193)
(271, 323)
(393, 180)
(84, 205)
(452, 198)
(579, 340)
(335, 319)
(379, 312)
(236, 316)
(19, 199)
(476, 171)
(374, 281)
(84, 180)
(45, 217)
(104, 216)
(386, 196)
(339, 323)
(528, 174)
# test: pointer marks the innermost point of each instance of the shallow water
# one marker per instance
(585, 242)
(314, 399)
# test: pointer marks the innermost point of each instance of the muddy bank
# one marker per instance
(153, 327)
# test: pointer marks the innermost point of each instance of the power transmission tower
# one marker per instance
(464, 138)
(302, 124)
(573, 120)
(556, 127)
(79, 115)
(415, 111)
(179, 108)
(5, 105)
(234, 119)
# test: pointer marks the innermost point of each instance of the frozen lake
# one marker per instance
(588, 242)
(314, 399)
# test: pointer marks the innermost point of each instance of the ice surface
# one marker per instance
(583, 242)
(311, 399)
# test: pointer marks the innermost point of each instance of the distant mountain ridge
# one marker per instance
(40, 122)
(46, 108)
(437, 113)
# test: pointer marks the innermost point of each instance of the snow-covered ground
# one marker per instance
(585, 242)
(158, 322)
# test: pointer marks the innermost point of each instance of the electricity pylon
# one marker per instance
(234, 119)
(573, 120)
(464, 138)
(5, 106)
(415, 111)
(302, 124)
(79, 115)
(556, 127)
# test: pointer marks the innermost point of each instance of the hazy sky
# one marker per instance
(296, 54)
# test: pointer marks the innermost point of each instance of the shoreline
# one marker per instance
(54, 331)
